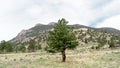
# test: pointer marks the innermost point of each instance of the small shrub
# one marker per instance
(6, 58)
(21, 59)
(92, 47)
(49, 50)
(95, 47)
(14, 60)
(41, 58)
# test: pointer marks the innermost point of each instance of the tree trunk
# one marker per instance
(63, 55)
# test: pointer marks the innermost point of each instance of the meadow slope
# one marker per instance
(83, 57)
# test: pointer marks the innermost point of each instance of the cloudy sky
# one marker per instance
(16, 15)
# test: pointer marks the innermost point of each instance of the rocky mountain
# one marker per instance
(109, 30)
(39, 31)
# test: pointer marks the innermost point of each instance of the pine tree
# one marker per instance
(2, 46)
(9, 47)
(31, 46)
(119, 39)
(6, 46)
(101, 41)
(22, 48)
(112, 43)
(86, 40)
(62, 38)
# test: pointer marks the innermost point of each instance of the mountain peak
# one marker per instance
(39, 24)
(52, 23)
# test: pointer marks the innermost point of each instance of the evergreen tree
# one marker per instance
(86, 40)
(9, 47)
(112, 43)
(119, 39)
(32, 46)
(22, 48)
(101, 41)
(62, 38)
(6, 46)
(2, 46)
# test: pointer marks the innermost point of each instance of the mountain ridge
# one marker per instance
(42, 29)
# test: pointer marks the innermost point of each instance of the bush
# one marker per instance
(22, 48)
(95, 47)
(49, 50)
(112, 43)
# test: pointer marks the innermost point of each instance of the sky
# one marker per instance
(16, 15)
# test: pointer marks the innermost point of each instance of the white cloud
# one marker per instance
(16, 15)
(113, 22)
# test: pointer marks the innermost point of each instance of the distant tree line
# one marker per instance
(8, 47)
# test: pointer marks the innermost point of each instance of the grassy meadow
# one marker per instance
(82, 57)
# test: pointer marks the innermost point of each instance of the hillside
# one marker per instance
(41, 30)
(109, 30)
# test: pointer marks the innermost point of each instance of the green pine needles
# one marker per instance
(62, 38)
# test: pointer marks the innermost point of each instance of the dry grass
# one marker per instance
(79, 58)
